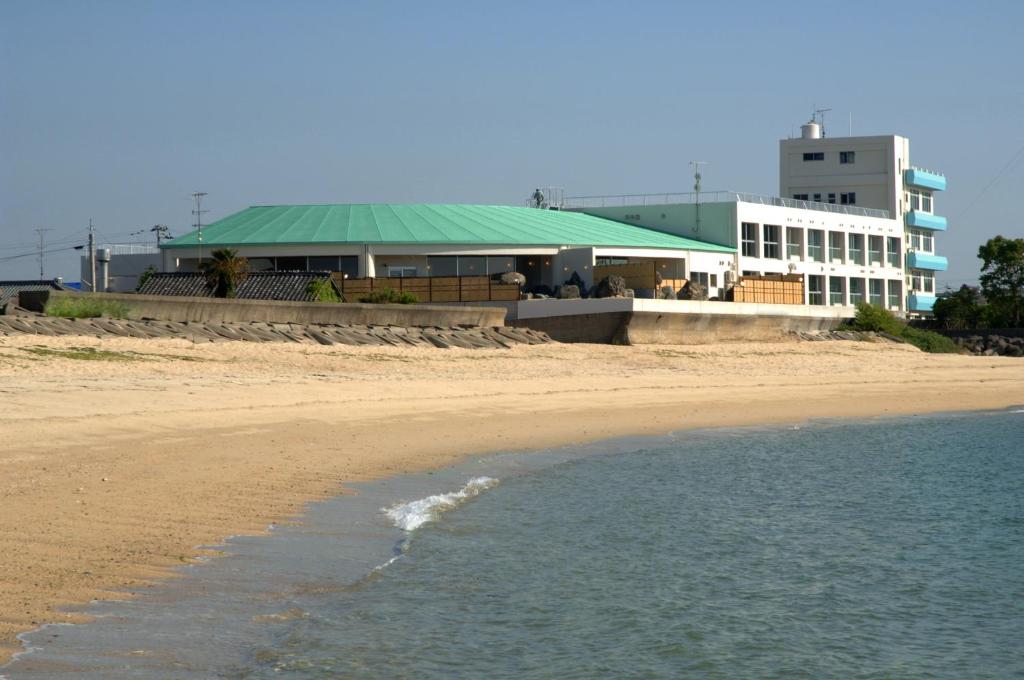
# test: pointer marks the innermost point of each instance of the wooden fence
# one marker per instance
(638, 275)
(776, 289)
(430, 288)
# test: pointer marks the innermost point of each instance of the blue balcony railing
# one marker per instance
(923, 220)
(920, 302)
(926, 180)
(935, 263)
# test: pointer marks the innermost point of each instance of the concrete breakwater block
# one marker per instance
(464, 336)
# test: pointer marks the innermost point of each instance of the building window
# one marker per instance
(848, 198)
(895, 294)
(800, 197)
(920, 200)
(443, 265)
(876, 291)
(401, 272)
(835, 290)
(815, 245)
(846, 157)
(772, 248)
(793, 243)
(700, 277)
(893, 252)
(472, 265)
(815, 289)
(499, 264)
(320, 263)
(922, 240)
(875, 250)
(291, 264)
(922, 281)
(714, 280)
(749, 239)
(814, 156)
(832, 198)
(817, 198)
(856, 252)
(835, 246)
(856, 291)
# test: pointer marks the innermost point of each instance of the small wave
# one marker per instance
(411, 516)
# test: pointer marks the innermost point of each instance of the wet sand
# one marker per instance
(120, 456)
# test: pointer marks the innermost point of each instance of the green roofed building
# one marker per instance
(440, 240)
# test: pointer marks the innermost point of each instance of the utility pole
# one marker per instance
(41, 231)
(92, 257)
(161, 231)
(198, 212)
(696, 189)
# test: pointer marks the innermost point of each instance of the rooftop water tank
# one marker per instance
(810, 130)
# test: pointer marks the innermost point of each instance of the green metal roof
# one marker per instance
(428, 225)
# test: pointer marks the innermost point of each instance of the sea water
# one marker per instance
(890, 548)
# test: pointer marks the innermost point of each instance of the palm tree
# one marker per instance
(225, 271)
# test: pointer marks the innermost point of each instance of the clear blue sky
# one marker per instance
(119, 110)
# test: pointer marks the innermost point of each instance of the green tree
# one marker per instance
(145, 276)
(960, 309)
(225, 271)
(1002, 277)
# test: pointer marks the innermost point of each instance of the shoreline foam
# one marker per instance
(124, 467)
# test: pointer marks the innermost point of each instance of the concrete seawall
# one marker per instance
(660, 322)
(273, 311)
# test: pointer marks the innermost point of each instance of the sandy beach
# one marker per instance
(120, 457)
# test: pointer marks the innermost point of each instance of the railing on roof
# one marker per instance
(131, 249)
(622, 200)
(930, 172)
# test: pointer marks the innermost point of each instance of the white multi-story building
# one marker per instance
(847, 254)
(853, 217)
(871, 172)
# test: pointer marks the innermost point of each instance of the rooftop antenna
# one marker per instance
(820, 113)
(42, 232)
(198, 212)
(696, 189)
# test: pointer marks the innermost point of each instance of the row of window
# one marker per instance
(845, 157)
(845, 198)
(879, 292)
(842, 247)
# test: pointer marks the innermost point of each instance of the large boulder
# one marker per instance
(667, 293)
(512, 277)
(610, 286)
(693, 291)
(568, 292)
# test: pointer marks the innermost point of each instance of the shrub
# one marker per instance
(390, 296)
(322, 290)
(881, 320)
(875, 318)
(86, 308)
(929, 341)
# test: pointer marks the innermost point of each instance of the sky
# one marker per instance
(118, 111)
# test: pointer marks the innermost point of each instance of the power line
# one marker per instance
(999, 175)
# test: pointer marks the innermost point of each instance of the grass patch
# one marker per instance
(86, 308)
(94, 354)
(81, 353)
